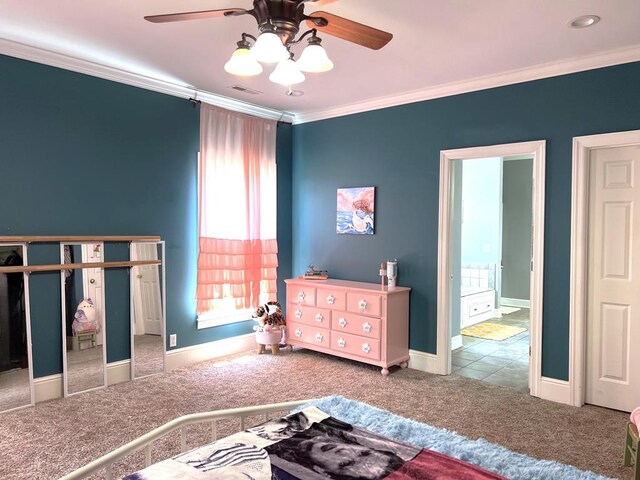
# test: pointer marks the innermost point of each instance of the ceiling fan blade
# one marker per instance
(320, 2)
(178, 17)
(349, 30)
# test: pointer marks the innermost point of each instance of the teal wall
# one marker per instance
(397, 151)
(85, 156)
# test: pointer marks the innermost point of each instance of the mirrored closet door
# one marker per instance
(16, 375)
(148, 311)
(84, 343)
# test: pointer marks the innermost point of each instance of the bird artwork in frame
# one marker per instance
(355, 211)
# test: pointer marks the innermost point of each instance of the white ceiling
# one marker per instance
(439, 46)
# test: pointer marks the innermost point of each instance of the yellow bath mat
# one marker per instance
(491, 331)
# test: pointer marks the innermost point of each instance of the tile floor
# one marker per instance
(504, 362)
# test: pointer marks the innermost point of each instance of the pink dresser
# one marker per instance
(356, 320)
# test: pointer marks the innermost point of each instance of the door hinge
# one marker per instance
(529, 350)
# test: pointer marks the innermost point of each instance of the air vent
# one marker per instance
(240, 88)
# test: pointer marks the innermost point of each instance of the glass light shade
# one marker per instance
(269, 48)
(287, 73)
(314, 59)
(243, 64)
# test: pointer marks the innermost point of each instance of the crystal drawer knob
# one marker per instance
(342, 322)
(366, 327)
(362, 304)
(342, 342)
(301, 296)
(319, 317)
(366, 348)
(298, 332)
(331, 299)
(319, 337)
(298, 314)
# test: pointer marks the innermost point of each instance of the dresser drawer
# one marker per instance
(331, 298)
(301, 294)
(298, 332)
(355, 345)
(364, 303)
(355, 324)
(320, 317)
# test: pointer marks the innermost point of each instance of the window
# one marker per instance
(237, 252)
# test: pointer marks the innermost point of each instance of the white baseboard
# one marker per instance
(515, 302)
(182, 357)
(426, 362)
(118, 372)
(47, 388)
(555, 390)
(51, 387)
(456, 342)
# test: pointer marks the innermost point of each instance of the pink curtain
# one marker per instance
(237, 257)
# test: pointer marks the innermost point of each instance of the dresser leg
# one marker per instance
(404, 364)
(385, 372)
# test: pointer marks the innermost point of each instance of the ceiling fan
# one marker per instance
(286, 16)
(279, 22)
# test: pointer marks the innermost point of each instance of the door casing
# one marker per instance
(537, 150)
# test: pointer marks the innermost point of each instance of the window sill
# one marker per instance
(217, 320)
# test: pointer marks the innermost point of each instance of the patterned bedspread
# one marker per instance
(311, 445)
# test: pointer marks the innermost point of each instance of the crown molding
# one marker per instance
(67, 62)
(614, 57)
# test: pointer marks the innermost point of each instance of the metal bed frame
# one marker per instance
(146, 441)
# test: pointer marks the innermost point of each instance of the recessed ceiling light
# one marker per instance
(584, 21)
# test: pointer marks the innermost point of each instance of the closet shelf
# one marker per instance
(79, 238)
(73, 266)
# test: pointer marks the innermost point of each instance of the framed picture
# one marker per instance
(355, 210)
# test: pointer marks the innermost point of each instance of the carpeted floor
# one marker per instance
(55, 437)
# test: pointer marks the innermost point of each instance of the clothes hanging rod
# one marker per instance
(74, 266)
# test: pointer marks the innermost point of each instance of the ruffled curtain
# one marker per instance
(238, 251)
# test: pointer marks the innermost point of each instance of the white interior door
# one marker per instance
(613, 321)
(92, 281)
(146, 291)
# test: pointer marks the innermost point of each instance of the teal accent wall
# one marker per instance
(397, 151)
(85, 156)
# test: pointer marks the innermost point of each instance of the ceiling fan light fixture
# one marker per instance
(269, 48)
(242, 62)
(287, 73)
(314, 58)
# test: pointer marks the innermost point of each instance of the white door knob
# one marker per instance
(298, 314)
(319, 317)
(362, 304)
(298, 332)
(342, 322)
(342, 342)
(366, 348)
(331, 299)
(319, 337)
(366, 327)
